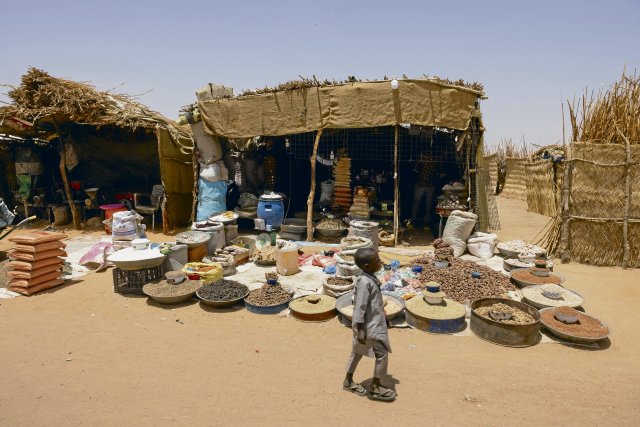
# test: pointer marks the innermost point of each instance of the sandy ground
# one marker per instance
(82, 355)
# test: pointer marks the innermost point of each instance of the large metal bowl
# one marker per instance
(221, 304)
(131, 259)
(572, 338)
(542, 306)
(507, 253)
(294, 225)
(331, 233)
(524, 284)
(345, 300)
(505, 334)
(193, 239)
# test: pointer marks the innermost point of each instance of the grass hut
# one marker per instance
(110, 140)
(379, 120)
(599, 220)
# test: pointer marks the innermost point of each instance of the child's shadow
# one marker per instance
(388, 381)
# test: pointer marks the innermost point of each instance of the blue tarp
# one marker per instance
(212, 198)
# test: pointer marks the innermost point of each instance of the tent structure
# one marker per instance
(311, 107)
(104, 138)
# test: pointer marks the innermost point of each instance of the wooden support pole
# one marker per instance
(565, 253)
(627, 200)
(396, 211)
(65, 183)
(312, 191)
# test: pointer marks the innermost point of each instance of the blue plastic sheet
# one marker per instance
(212, 198)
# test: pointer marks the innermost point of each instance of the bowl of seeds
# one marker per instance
(313, 308)
(222, 293)
(165, 292)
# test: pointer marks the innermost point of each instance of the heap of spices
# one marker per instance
(223, 290)
(457, 283)
(586, 326)
(514, 316)
(526, 275)
(268, 295)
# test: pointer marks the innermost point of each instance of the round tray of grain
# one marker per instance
(393, 306)
(505, 322)
(222, 293)
(587, 329)
(543, 296)
(523, 277)
(164, 292)
(313, 308)
(269, 299)
(444, 318)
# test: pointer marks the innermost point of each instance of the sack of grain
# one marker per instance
(482, 245)
(336, 290)
(355, 242)
(459, 226)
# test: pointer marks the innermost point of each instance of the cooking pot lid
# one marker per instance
(270, 197)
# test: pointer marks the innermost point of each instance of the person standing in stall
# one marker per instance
(429, 175)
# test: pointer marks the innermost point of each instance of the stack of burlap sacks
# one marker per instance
(36, 261)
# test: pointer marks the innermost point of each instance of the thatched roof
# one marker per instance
(306, 83)
(46, 101)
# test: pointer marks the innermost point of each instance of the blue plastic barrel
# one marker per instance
(271, 210)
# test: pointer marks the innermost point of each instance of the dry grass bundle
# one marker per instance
(306, 83)
(41, 96)
(596, 117)
(508, 149)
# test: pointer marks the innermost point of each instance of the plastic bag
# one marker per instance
(482, 245)
(287, 258)
(459, 226)
(213, 271)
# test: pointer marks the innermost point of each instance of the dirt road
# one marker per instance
(83, 355)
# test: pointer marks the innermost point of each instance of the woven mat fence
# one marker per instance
(542, 188)
(491, 163)
(600, 228)
(515, 182)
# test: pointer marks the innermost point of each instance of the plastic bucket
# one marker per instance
(271, 210)
(109, 210)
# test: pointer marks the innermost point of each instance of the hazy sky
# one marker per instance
(528, 55)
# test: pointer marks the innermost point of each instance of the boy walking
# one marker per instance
(370, 337)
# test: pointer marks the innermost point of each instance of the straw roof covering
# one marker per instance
(47, 101)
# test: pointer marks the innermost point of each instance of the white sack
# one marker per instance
(482, 245)
(459, 226)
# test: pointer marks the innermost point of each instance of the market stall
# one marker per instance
(367, 141)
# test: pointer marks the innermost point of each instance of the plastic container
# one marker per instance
(230, 233)
(216, 231)
(271, 210)
(132, 281)
(109, 210)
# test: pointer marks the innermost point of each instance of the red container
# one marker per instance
(76, 185)
(109, 210)
(193, 276)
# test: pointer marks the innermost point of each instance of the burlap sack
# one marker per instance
(25, 256)
(40, 247)
(30, 266)
(36, 237)
(37, 288)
